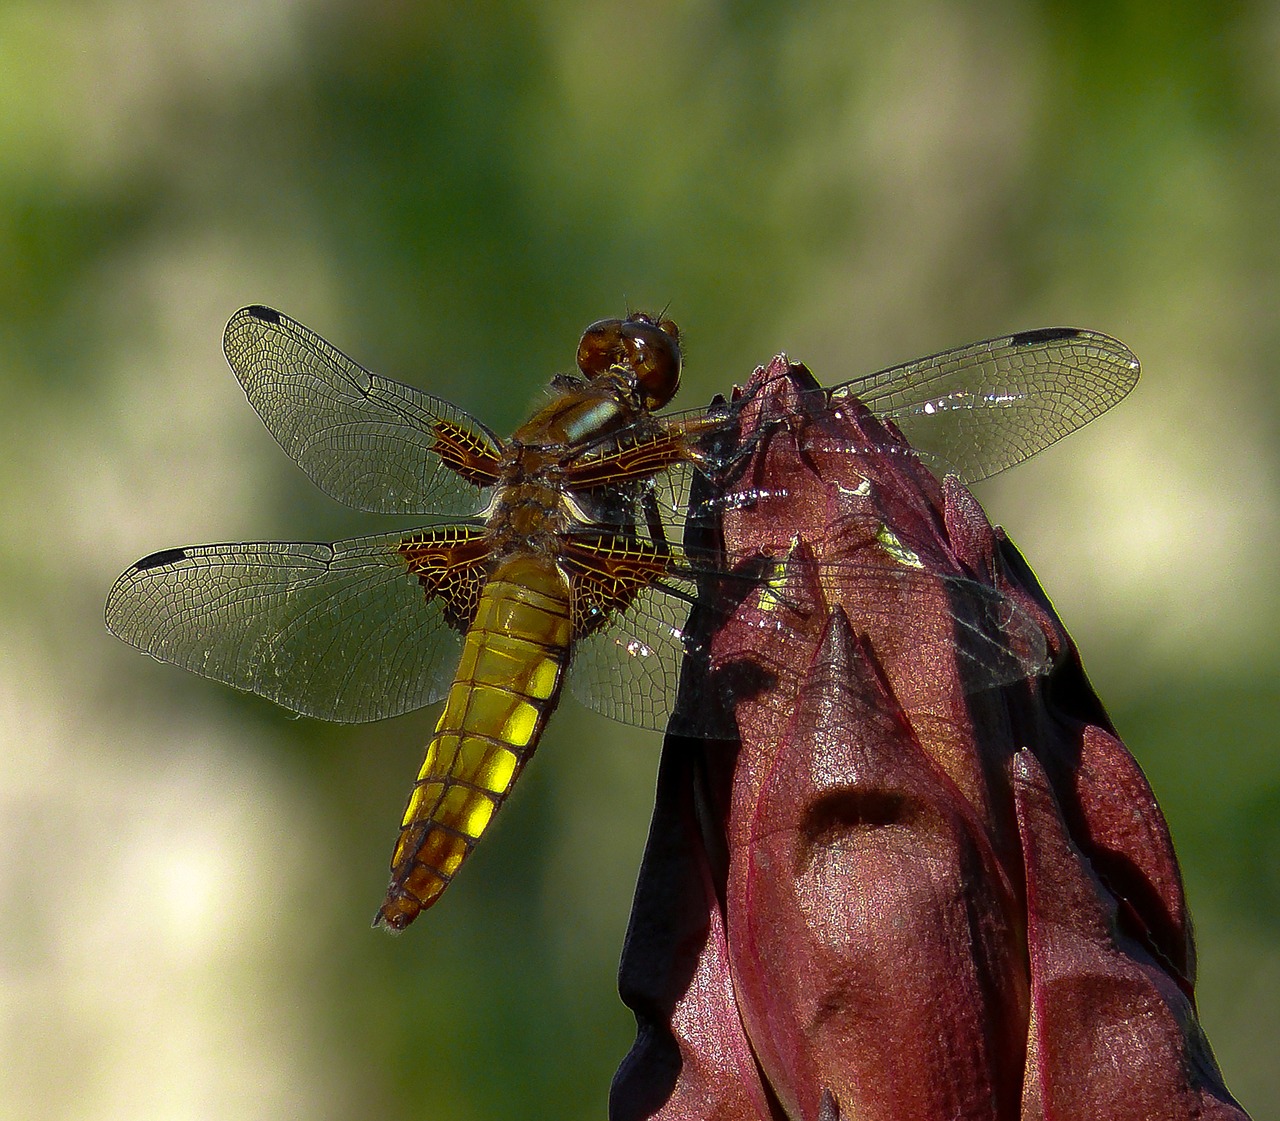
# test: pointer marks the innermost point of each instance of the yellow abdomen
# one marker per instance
(508, 681)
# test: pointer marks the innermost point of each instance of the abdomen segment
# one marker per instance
(508, 682)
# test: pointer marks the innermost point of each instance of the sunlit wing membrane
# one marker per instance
(983, 408)
(343, 632)
(631, 602)
(980, 409)
(629, 668)
(366, 440)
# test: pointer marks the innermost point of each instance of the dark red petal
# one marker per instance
(874, 944)
(1112, 1033)
(902, 896)
(691, 1059)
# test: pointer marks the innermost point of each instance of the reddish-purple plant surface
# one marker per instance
(927, 881)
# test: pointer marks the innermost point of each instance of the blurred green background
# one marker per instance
(450, 193)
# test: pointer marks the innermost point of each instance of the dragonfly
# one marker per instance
(558, 554)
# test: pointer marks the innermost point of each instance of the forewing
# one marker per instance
(342, 632)
(975, 410)
(367, 441)
(985, 407)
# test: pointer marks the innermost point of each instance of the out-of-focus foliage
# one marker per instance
(449, 193)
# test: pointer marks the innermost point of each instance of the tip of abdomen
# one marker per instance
(412, 890)
(397, 912)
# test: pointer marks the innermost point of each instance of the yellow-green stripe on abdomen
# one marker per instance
(508, 682)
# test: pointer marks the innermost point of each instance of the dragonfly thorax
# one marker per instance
(581, 412)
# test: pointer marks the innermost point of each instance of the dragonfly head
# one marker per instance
(647, 350)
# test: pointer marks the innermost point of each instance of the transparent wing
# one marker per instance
(975, 410)
(341, 632)
(629, 669)
(367, 441)
(984, 407)
(992, 640)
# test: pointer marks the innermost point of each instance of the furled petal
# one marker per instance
(1112, 1033)
(691, 1058)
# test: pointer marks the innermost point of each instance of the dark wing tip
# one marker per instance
(158, 560)
(1043, 335)
(266, 314)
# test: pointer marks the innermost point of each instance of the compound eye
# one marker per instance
(649, 351)
(655, 358)
(602, 347)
